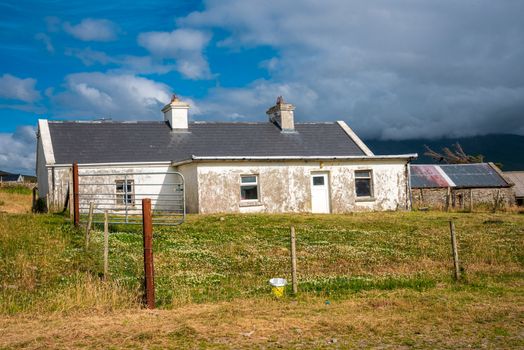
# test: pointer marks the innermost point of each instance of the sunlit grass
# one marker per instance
(395, 266)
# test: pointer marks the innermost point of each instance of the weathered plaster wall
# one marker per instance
(285, 186)
(58, 181)
(460, 198)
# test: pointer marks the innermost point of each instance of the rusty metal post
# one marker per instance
(76, 199)
(149, 282)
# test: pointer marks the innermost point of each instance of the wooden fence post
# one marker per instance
(89, 224)
(454, 250)
(148, 254)
(497, 199)
(106, 246)
(293, 261)
(448, 198)
(471, 200)
(76, 199)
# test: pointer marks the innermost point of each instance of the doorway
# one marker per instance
(320, 193)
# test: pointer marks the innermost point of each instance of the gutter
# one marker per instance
(194, 158)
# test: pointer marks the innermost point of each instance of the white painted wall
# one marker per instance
(214, 187)
(286, 187)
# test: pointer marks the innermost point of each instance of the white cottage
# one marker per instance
(275, 167)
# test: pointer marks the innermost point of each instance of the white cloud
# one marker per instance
(144, 65)
(170, 44)
(89, 56)
(111, 95)
(252, 101)
(14, 88)
(90, 29)
(17, 150)
(46, 40)
(185, 46)
(392, 70)
(125, 64)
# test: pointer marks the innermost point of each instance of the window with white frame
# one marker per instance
(249, 187)
(364, 183)
(125, 194)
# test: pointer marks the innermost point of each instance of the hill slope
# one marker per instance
(505, 149)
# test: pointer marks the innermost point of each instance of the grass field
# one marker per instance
(15, 199)
(365, 280)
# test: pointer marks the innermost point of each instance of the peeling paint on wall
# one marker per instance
(285, 186)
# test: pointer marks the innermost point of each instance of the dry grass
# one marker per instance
(441, 318)
(14, 203)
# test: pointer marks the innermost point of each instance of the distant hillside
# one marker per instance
(505, 149)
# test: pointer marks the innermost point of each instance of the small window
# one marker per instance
(249, 187)
(125, 194)
(363, 183)
(318, 180)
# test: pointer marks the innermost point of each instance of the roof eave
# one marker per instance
(407, 157)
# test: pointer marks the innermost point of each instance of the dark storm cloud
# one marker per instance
(394, 70)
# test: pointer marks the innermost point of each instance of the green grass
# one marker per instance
(16, 189)
(222, 258)
(365, 280)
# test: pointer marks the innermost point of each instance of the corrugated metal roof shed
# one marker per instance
(517, 177)
(427, 176)
(481, 175)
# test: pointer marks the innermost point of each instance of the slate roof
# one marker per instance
(108, 142)
(7, 177)
(517, 177)
(480, 175)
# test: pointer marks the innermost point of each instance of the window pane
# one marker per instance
(318, 180)
(249, 179)
(248, 192)
(363, 174)
(363, 187)
(120, 187)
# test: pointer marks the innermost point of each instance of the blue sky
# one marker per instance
(391, 69)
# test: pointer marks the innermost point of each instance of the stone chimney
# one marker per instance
(282, 115)
(176, 113)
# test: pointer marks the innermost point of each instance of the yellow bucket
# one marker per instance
(277, 286)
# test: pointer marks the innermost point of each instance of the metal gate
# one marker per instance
(120, 193)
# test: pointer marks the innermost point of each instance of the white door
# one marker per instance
(319, 193)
